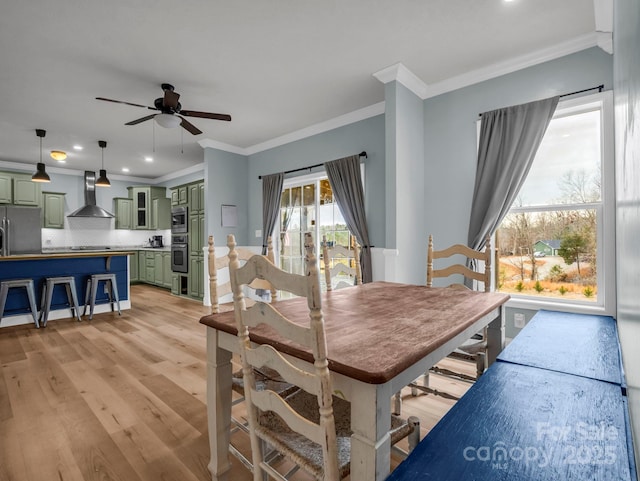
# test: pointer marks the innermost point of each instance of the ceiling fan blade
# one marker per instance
(189, 126)
(205, 115)
(126, 103)
(135, 122)
(170, 99)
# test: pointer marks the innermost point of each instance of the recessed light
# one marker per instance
(148, 159)
(125, 169)
(77, 147)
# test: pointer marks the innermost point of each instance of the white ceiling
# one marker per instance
(275, 66)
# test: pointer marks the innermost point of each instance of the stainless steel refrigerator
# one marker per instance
(20, 230)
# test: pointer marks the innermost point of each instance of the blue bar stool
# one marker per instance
(28, 285)
(92, 290)
(47, 293)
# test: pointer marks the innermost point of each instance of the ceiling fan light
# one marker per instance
(167, 120)
(41, 174)
(58, 155)
(103, 181)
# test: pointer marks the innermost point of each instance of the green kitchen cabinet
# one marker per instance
(123, 207)
(53, 210)
(133, 267)
(195, 241)
(6, 188)
(158, 277)
(142, 266)
(19, 189)
(143, 197)
(179, 195)
(161, 213)
(196, 277)
(166, 267)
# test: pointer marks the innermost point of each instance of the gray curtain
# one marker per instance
(509, 140)
(271, 195)
(346, 184)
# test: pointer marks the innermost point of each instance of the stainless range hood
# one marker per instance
(90, 209)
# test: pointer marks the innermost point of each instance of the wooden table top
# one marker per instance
(377, 330)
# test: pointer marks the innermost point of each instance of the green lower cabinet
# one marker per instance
(166, 267)
(133, 267)
(142, 266)
(175, 284)
(196, 277)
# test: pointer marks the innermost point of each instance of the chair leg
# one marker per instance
(481, 361)
(47, 302)
(74, 298)
(4, 291)
(397, 403)
(414, 436)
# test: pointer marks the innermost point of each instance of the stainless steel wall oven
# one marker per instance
(179, 253)
(179, 220)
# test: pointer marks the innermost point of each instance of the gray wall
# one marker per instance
(627, 112)
(451, 131)
(366, 135)
(225, 177)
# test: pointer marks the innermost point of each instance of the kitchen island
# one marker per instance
(79, 263)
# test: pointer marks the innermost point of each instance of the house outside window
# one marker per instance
(555, 247)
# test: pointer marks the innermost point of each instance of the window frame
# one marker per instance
(605, 211)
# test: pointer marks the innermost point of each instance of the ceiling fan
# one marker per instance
(169, 108)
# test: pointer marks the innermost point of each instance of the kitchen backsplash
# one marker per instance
(98, 232)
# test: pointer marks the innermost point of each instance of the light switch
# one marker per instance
(258, 233)
(518, 320)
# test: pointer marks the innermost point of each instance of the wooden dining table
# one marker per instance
(380, 337)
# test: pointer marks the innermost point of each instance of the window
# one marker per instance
(556, 243)
(307, 204)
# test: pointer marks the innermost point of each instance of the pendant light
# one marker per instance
(102, 179)
(41, 173)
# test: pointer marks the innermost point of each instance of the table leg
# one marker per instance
(495, 337)
(370, 422)
(218, 406)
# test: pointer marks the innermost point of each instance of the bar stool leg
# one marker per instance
(73, 299)
(48, 293)
(32, 302)
(114, 291)
(86, 296)
(4, 291)
(94, 294)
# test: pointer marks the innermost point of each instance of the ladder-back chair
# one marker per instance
(337, 261)
(310, 427)
(449, 262)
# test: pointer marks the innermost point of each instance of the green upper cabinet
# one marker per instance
(123, 207)
(6, 188)
(143, 197)
(19, 189)
(161, 213)
(196, 197)
(53, 210)
(179, 195)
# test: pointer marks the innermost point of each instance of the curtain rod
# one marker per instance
(599, 87)
(361, 154)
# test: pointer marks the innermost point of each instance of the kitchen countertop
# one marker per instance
(62, 252)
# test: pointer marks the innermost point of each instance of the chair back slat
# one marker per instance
(217, 264)
(482, 260)
(262, 313)
(341, 257)
(308, 333)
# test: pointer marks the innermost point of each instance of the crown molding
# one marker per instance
(518, 63)
(341, 121)
(403, 75)
(174, 175)
(214, 144)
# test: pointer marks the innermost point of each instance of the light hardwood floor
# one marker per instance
(122, 397)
